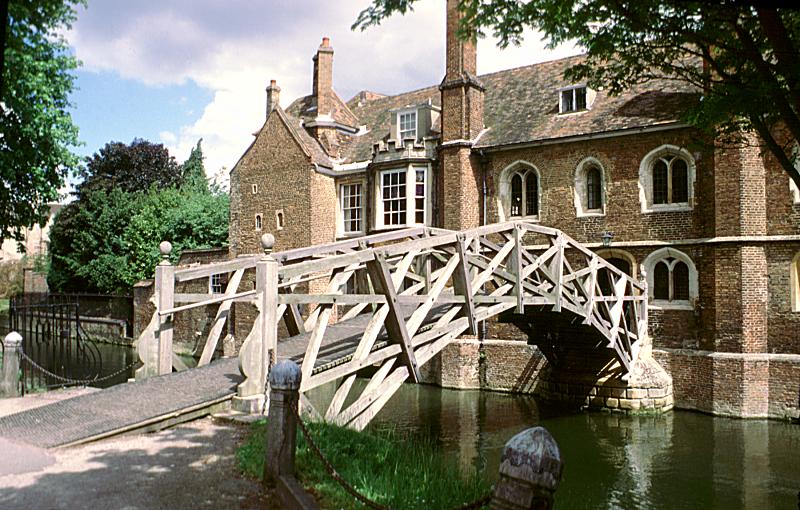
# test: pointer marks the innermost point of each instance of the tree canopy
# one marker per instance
(742, 57)
(134, 167)
(36, 129)
(107, 239)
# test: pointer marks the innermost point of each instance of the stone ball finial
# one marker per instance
(166, 248)
(533, 458)
(267, 242)
(285, 375)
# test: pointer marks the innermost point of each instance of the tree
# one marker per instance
(36, 130)
(193, 171)
(134, 167)
(742, 57)
(107, 239)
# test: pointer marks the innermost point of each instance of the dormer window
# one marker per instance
(407, 122)
(573, 99)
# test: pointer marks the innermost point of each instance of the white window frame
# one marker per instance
(254, 188)
(649, 267)
(571, 89)
(400, 130)
(343, 232)
(504, 190)
(411, 175)
(794, 283)
(646, 179)
(259, 222)
(218, 284)
(581, 189)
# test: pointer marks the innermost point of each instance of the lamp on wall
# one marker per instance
(607, 237)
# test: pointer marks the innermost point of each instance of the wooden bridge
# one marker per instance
(394, 300)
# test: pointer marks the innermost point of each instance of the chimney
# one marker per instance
(461, 54)
(323, 77)
(462, 93)
(273, 96)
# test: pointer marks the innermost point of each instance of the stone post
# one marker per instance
(530, 471)
(9, 384)
(259, 350)
(284, 381)
(165, 287)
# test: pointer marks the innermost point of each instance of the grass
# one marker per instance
(399, 471)
(3, 305)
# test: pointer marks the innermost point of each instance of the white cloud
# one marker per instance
(234, 48)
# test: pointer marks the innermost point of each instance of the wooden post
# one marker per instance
(12, 347)
(284, 382)
(530, 471)
(259, 350)
(165, 286)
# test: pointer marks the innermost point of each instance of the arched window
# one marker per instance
(589, 188)
(666, 180)
(519, 191)
(794, 283)
(258, 222)
(671, 278)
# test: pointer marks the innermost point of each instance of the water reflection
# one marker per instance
(679, 460)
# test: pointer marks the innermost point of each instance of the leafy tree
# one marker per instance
(193, 171)
(36, 130)
(134, 167)
(742, 57)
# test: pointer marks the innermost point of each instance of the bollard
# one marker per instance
(530, 470)
(284, 381)
(9, 385)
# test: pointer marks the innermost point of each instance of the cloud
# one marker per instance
(234, 48)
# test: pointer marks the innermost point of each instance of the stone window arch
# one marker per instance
(794, 283)
(258, 222)
(666, 180)
(520, 191)
(620, 259)
(794, 191)
(590, 188)
(671, 279)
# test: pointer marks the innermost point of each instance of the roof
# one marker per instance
(521, 105)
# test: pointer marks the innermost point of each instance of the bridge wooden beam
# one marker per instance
(462, 285)
(395, 323)
(221, 317)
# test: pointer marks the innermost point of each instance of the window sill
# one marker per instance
(573, 112)
(667, 208)
(592, 213)
(387, 228)
(532, 219)
(349, 235)
(670, 305)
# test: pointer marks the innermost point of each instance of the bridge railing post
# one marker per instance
(530, 471)
(12, 347)
(284, 381)
(259, 350)
(165, 287)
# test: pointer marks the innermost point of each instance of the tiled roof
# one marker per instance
(521, 105)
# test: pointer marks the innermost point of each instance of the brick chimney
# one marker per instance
(462, 122)
(323, 77)
(273, 96)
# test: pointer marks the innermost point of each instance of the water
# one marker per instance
(678, 460)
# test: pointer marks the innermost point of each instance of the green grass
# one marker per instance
(400, 471)
(3, 305)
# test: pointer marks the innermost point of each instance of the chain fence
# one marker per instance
(474, 505)
(66, 381)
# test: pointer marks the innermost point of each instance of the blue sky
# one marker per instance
(174, 71)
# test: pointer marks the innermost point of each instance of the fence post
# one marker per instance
(284, 380)
(530, 470)
(259, 350)
(9, 385)
(165, 286)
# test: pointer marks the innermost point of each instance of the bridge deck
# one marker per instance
(161, 401)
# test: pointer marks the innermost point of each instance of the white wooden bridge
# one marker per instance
(394, 301)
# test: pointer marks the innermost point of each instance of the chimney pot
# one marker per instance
(273, 96)
(326, 41)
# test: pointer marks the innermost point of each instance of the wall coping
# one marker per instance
(744, 356)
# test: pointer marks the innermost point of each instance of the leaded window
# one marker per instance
(408, 125)
(524, 193)
(670, 180)
(671, 280)
(393, 191)
(593, 189)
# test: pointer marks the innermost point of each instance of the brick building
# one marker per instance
(717, 229)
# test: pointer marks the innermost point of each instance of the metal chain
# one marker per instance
(76, 381)
(352, 490)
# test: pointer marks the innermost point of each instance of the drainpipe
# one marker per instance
(483, 161)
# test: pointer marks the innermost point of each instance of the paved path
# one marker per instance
(121, 407)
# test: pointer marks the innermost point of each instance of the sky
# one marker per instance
(176, 71)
